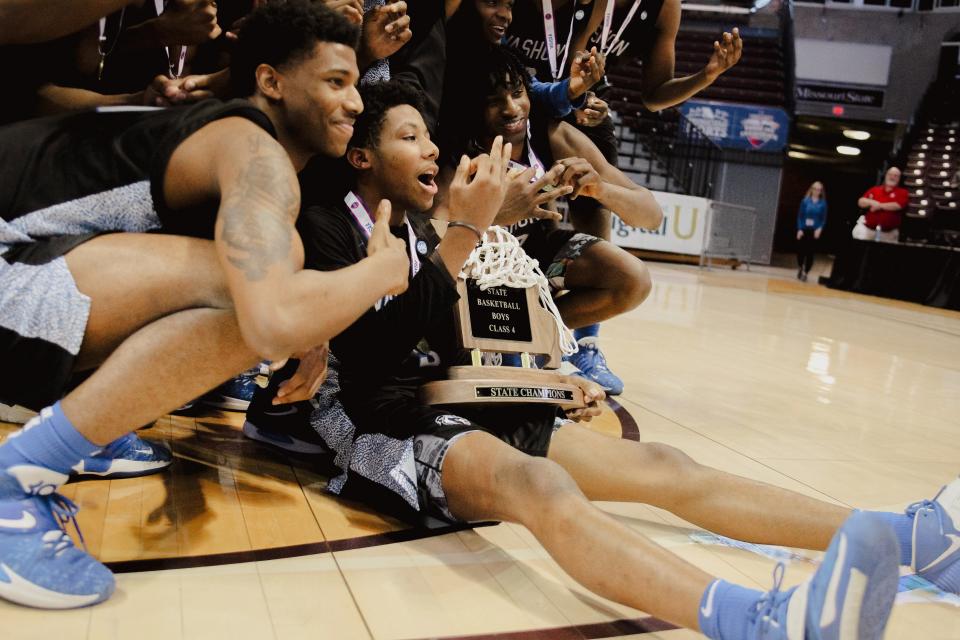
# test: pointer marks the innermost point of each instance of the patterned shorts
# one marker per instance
(43, 319)
(528, 429)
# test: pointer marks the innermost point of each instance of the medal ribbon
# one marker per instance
(550, 29)
(608, 23)
(360, 214)
(174, 73)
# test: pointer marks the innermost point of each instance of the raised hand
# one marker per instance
(188, 22)
(352, 10)
(385, 246)
(581, 175)
(726, 53)
(526, 197)
(480, 185)
(385, 30)
(586, 70)
(594, 111)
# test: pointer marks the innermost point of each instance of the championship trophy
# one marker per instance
(505, 307)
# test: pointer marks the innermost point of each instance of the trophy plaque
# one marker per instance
(507, 320)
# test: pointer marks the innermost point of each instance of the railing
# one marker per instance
(690, 159)
(730, 233)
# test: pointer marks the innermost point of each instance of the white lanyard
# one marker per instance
(608, 23)
(159, 4)
(532, 159)
(359, 212)
(550, 29)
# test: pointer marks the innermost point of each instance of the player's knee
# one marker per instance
(635, 284)
(545, 482)
(669, 460)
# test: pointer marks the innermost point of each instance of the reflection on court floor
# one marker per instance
(847, 398)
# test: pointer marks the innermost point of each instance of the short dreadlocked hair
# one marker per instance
(503, 70)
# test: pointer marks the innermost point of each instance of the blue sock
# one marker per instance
(48, 441)
(725, 610)
(903, 528)
(591, 331)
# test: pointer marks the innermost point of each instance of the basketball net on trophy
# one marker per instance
(505, 307)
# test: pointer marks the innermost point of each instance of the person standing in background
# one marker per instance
(884, 204)
(811, 217)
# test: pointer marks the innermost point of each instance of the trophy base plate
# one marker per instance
(503, 385)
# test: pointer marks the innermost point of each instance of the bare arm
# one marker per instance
(281, 308)
(26, 21)
(660, 89)
(865, 203)
(634, 204)
(53, 99)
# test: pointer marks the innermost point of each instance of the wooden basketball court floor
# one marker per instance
(848, 398)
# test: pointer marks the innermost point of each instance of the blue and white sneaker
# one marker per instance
(234, 394)
(39, 564)
(848, 598)
(593, 366)
(936, 538)
(126, 457)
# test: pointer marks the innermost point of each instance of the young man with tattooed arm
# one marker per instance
(164, 316)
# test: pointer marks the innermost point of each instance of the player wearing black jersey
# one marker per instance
(601, 279)
(525, 463)
(162, 316)
(645, 30)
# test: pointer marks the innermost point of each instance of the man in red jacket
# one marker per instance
(884, 204)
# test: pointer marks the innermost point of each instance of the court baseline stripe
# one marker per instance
(292, 551)
(629, 430)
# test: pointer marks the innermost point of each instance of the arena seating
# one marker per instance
(759, 78)
(931, 164)
(650, 151)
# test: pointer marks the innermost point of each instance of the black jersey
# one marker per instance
(526, 35)
(93, 172)
(380, 362)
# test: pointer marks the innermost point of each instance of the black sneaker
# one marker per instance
(285, 426)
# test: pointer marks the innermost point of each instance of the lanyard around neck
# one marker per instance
(174, 73)
(363, 219)
(608, 24)
(532, 159)
(550, 30)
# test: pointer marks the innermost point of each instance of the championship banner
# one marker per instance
(740, 126)
(683, 229)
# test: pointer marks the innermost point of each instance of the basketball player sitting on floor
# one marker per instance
(551, 158)
(527, 464)
(163, 316)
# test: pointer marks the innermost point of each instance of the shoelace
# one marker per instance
(65, 512)
(912, 509)
(768, 602)
(600, 361)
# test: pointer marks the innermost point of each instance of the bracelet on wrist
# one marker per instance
(467, 225)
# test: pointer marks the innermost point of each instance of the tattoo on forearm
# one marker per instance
(258, 213)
